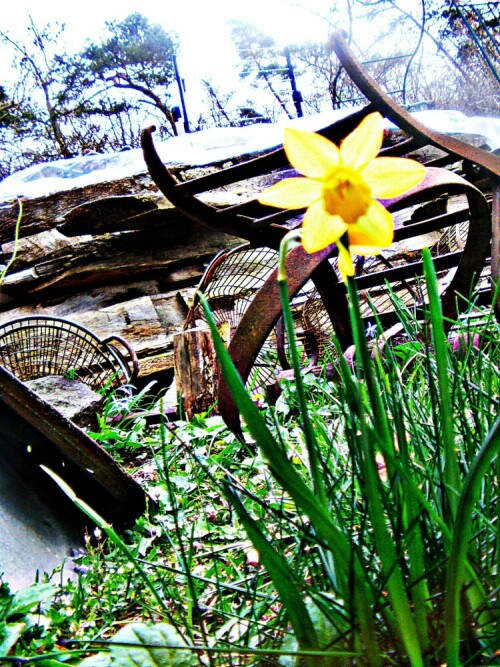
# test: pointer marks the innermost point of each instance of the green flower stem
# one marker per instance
(458, 552)
(221, 650)
(289, 241)
(384, 541)
(351, 578)
(364, 357)
(451, 476)
(6, 268)
(419, 589)
(385, 442)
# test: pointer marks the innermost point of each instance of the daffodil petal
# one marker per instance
(291, 193)
(320, 229)
(374, 229)
(365, 251)
(392, 176)
(345, 263)
(362, 145)
(311, 154)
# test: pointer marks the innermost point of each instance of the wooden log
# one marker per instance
(196, 369)
(115, 257)
(40, 213)
(92, 209)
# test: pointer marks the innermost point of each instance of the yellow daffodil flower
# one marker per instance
(341, 187)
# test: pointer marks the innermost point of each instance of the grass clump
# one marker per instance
(356, 521)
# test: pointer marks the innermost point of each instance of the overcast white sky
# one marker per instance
(201, 24)
(206, 50)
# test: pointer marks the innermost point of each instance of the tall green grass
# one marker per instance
(405, 557)
(355, 523)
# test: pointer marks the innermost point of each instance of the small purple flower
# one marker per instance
(371, 330)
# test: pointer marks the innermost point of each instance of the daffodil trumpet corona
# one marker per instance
(340, 188)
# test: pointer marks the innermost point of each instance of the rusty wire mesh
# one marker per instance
(35, 347)
(409, 292)
(229, 285)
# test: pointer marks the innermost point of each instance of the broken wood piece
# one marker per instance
(196, 369)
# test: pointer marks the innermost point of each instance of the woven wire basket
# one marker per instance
(229, 285)
(35, 347)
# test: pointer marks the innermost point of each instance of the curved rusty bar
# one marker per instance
(167, 184)
(477, 247)
(199, 211)
(132, 362)
(265, 310)
(402, 118)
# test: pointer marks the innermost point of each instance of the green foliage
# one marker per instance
(62, 105)
(141, 50)
(340, 538)
(402, 519)
(249, 39)
(122, 423)
(9, 116)
(138, 56)
(20, 625)
(261, 61)
(135, 645)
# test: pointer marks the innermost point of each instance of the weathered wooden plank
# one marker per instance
(195, 368)
(40, 213)
(55, 260)
(105, 215)
(115, 257)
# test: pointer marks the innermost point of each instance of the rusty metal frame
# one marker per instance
(253, 222)
(265, 309)
(488, 161)
(402, 118)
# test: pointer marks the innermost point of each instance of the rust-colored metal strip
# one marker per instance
(402, 118)
(92, 473)
(478, 245)
(495, 245)
(166, 183)
(264, 312)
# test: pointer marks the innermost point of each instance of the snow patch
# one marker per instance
(207, 147)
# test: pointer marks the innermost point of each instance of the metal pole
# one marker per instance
(477, 41)
(481, 19)
(296, 94)
(180, 85)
